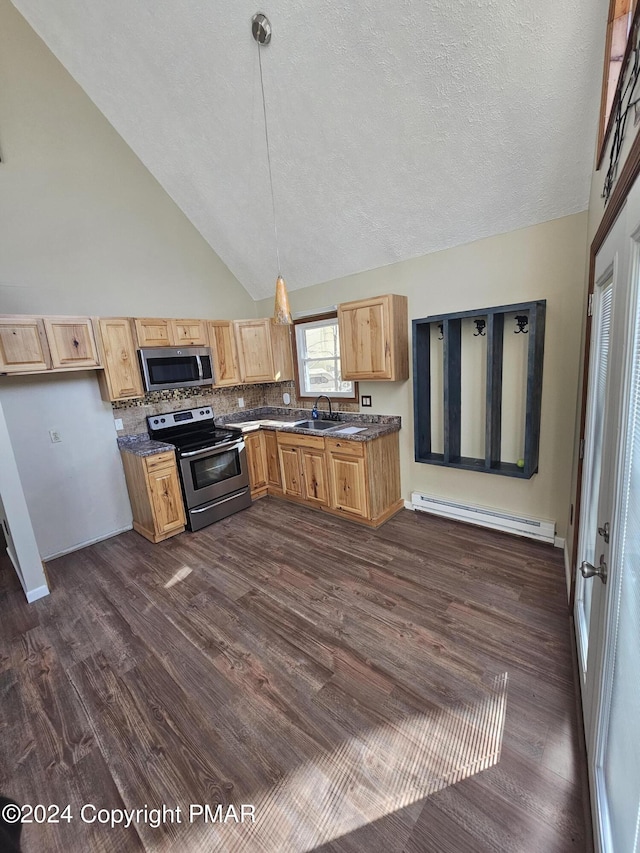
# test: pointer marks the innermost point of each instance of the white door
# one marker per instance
(602, 303)
(610, 282)
(611, 682)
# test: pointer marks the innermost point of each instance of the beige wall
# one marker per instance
(546, 261)
(84, 227)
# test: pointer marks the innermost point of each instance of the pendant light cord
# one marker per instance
(266, 137)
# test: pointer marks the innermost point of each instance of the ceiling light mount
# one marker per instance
(261, 28)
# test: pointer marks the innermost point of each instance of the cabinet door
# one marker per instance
(225, 356)
(71, 341)
(256, 462)
(365, 344)
(188, 333)
(274, 478)
(23, 345)
(121, 371)
(282, 352)
(166, 499)
(291, 471)
(348, 484)
(254, 350)
(314, 470)
(152, 332)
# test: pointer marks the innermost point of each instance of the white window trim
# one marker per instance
(299, 329)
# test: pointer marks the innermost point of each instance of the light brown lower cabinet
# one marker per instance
(303, 467)
(348, 476)
(256, 463)
(263, 462)
(155, 495)
(272, 459)
(353, 479)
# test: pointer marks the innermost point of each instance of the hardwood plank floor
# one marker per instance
(407, 690)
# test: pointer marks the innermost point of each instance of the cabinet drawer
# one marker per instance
(345, 448)
(292, 440)
(160, 460)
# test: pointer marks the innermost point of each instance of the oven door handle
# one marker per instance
(217, 503)
(199, 363)
(228, 445)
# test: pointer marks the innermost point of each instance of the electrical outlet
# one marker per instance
(118, 424)
(241, 402)
(286, 398)
(365, 400)
(54, 435)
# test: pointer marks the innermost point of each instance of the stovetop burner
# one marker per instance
(203, 438)
(190, 429)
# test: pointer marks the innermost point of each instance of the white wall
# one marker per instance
(545, 261)
(21, 543)
(75, 490)
(85, 227)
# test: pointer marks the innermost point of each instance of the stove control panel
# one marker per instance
(173, 419)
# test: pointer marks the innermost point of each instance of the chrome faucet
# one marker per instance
(314, 411)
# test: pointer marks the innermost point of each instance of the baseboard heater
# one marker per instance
(534, 528)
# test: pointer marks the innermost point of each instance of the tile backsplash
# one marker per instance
(223, 401)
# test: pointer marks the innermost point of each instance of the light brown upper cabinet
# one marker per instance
(264, 351)
(121, 379)
(152, 332)
(71, 342)
(254, 350)
(226, 370)
(159, 332)
(374, 340)
(188, 333)
(34, 344)
(23, 345)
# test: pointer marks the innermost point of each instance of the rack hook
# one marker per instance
(480, 326)
(522, 320)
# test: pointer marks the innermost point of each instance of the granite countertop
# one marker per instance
(142, 445)
(287, 420)
(284, 420)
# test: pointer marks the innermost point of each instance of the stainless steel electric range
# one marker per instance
(212, 463)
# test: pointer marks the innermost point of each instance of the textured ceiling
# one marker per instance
(397, 127)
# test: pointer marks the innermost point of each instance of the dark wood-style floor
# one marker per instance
(406, 690)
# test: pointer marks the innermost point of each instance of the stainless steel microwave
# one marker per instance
(175, 367)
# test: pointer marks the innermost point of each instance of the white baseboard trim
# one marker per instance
(409, 505)
(559, 542)
(30, 594)
(88, 542)
(38, 592)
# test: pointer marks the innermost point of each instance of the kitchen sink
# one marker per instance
(319, 424)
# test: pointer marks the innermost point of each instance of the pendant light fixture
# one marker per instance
(261, 30)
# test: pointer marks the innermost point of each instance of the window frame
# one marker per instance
(605, 123)
(302, 321)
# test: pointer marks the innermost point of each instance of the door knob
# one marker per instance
(589, 571)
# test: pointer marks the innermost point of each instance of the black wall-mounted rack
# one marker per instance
(530, 320)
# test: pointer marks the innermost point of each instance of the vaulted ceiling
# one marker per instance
(397, 127)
